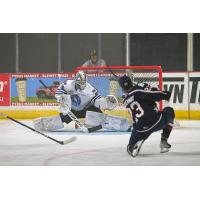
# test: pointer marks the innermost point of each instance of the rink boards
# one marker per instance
(184, 86)
(32, 113)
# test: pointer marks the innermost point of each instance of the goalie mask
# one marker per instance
(80, 80)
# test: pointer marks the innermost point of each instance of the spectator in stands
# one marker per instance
(94, 61)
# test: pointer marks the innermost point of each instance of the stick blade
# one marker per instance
(95, 128)
(69, 140)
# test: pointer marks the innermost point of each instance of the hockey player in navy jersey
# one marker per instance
(141, 102)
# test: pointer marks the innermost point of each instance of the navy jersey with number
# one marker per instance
(141, 102)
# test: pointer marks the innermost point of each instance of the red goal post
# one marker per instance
(102, 78)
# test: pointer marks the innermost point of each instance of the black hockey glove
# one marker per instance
(154, 89)
(167, 95)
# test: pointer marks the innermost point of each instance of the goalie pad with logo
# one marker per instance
(106, 121)
(48, 123)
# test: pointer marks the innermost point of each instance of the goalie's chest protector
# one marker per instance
(81, 98)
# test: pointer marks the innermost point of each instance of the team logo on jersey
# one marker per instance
(76, 100)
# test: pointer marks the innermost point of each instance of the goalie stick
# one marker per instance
(69, 140)
(74, 118)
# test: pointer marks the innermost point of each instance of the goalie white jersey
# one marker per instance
(80, 99)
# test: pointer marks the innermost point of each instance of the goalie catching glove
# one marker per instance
(107, 103)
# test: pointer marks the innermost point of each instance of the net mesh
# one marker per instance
(106, 83)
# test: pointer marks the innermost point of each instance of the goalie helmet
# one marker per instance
(80, 80)
(125, 83)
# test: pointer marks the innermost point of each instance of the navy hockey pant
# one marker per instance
(167, 117)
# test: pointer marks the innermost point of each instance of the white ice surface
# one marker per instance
(20, 146)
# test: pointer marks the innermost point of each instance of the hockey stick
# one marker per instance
(117, 77)
(74, 118)
(59, 142)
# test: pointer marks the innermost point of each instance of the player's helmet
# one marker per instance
(80, 80)
(125, 83)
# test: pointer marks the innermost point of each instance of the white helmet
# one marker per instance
(80, 80)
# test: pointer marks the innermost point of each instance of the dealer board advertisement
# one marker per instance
(194, 96)
(29, 89)
(26, 89)
(185, 94)
(4, 89)
(177, 84)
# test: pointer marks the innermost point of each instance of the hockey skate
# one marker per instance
(164, 146)
(136, 149)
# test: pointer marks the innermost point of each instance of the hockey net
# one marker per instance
(106, 83)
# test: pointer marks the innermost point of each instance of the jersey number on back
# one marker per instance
(136, 109)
